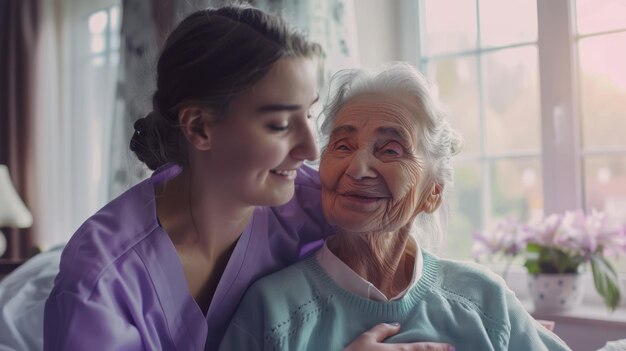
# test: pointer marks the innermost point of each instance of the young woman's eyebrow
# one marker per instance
(278, 108)
(282, 107)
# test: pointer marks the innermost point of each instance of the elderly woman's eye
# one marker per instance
(341, 147)
(392, 149)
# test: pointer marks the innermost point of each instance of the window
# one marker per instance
(93, 37)
(601, 42)
(488, 80)
(537, 91)
(601, 50)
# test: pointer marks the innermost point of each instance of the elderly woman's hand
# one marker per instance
(372, 340)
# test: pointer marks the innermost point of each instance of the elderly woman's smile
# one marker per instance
(361, 200)
(371, 171)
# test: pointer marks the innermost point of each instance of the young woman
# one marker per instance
(163, 266)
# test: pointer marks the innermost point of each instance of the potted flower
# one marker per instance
(555, 250)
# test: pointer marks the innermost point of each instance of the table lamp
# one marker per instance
(13, 212)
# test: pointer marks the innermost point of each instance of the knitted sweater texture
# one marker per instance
(463, 304)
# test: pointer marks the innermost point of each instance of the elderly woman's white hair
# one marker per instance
(438, 141)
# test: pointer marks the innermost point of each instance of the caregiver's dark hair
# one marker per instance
(211, 56)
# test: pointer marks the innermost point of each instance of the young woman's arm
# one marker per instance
(71, 323)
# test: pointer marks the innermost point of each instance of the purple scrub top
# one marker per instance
(121, 285)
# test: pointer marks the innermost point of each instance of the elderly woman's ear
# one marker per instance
(433, 198)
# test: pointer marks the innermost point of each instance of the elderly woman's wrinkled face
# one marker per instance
(372, 172)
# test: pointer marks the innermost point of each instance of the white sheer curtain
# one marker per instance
(52, 203)
(77, 65)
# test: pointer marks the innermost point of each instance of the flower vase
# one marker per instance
(555, 292)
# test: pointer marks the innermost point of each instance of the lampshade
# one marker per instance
(13, 212)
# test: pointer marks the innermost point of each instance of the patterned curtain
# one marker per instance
(136, 83)
(145, 25)
(330, 23)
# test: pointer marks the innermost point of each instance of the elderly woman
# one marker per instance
(385, 172)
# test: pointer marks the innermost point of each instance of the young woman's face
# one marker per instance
(372, 171)
(267, 134)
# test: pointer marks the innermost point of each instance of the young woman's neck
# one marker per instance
(377, 257)
(195, 215)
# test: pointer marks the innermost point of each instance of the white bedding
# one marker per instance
(23, 295)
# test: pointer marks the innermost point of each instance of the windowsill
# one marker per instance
(584, 314)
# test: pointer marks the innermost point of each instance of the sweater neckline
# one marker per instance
(389, 308)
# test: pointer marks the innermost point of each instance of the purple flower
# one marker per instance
(573, 234)
(543, 231)
(610, 236)
(504, 238)
(577, 233)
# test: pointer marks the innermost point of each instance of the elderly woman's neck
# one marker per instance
(377, 257)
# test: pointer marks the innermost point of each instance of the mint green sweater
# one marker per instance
(301, 308)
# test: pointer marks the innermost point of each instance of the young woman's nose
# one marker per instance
(305, 146)
(361, 165)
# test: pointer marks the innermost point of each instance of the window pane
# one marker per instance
(512, 112)
(465, 210)
(92, 103)
(97, 22)
(97, 61)
(97, 44)
(114, 42)
(603, 89)
(445, 31)
(605, 184)
(600, 15)
(507, 22)
(114, 26)
(517, 188)
(456, 84)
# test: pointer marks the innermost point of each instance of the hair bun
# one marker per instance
(140, 124)
(141, 143)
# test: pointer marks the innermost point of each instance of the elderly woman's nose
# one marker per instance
(361, 165)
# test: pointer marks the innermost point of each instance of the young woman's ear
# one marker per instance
(195, 123)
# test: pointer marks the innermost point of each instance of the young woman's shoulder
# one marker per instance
(107, 236)
(308, 177)
(302, 218)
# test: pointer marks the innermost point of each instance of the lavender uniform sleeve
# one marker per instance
(302, 219)
(71, 323)
(527, 333)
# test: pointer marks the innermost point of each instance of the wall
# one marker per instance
(378, 31)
